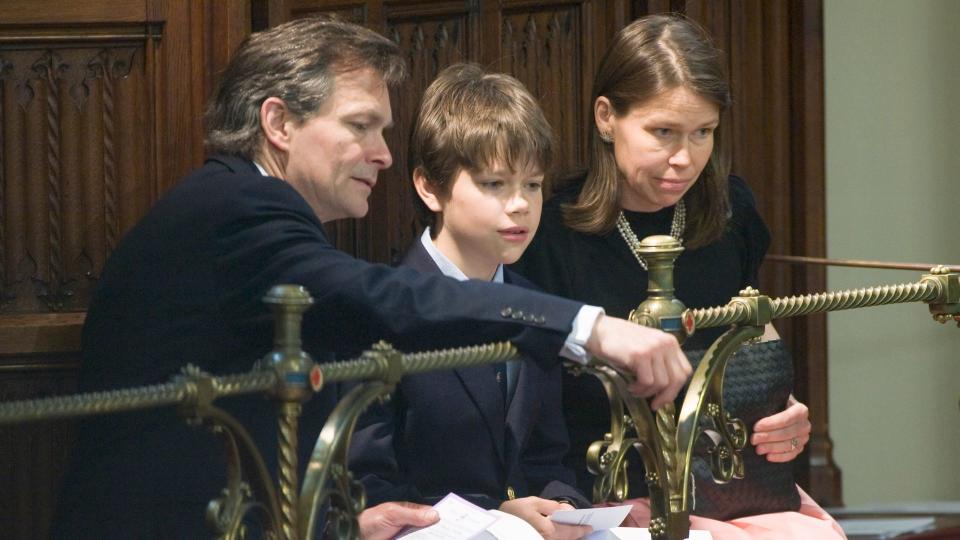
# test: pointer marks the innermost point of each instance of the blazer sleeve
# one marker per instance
(272, 237)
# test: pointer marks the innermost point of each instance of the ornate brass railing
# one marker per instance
(665, 439)
(290, 377)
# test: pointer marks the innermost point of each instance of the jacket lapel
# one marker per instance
(479, 382)
(527, 391)
(523, 401)
(481, 385)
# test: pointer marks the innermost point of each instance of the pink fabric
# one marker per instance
(811, 522)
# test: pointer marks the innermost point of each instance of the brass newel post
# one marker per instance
(292, 365)
(661, 309)
(634, 427)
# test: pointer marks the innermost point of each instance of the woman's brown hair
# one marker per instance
(650, 56)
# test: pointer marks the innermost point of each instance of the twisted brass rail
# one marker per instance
(145, 397)
(794, 306)
(181, 389)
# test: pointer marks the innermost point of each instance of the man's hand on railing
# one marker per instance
(652, 357)
(384, 521)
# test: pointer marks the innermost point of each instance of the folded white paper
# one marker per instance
(598, 518)
(459, 519)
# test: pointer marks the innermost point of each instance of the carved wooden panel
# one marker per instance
(544, 48)
(75, 135)
(100, 112)
(30, 469)
(430, 44)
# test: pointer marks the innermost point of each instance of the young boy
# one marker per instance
(493, 434)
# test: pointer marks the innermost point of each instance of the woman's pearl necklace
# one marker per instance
(677, 226)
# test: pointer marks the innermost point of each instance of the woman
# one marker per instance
(657, 167)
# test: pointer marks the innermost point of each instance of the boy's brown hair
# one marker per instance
(470, 119)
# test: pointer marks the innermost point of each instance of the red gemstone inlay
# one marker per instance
(316, 378)
(688, 322)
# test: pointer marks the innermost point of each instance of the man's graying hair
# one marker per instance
(297, 62)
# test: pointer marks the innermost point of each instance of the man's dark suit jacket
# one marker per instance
(451, 431)
(184, 286)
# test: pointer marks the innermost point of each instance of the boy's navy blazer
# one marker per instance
(185, 286)
(450, 431)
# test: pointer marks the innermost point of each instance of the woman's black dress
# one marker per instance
(600, 270)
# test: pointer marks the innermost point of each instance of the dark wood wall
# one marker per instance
(100, 106)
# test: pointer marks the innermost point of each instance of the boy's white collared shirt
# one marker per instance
(574, 346)
(446, 266)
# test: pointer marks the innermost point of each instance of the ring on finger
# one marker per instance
(794, 443)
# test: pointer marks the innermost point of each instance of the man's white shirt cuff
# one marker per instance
(574, 348)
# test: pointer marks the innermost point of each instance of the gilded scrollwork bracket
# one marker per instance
(249, 489)
(666, 445)
(327, 477)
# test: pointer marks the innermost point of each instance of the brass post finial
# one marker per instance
(289, 302)
(661, 309)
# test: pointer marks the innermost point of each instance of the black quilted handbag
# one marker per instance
(757, 382)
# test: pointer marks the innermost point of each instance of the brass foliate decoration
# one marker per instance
(667, 449)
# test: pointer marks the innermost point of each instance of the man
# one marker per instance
(296, 127)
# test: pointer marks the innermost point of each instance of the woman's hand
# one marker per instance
(535, 511)
(384, 521)
(782, 436)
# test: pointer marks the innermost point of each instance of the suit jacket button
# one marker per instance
(529, 318)
(505, 312)
(541, 319)
(517, 314)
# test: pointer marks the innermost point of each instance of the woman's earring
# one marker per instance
(605, 137)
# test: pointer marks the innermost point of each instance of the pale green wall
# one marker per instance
(892, 91)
